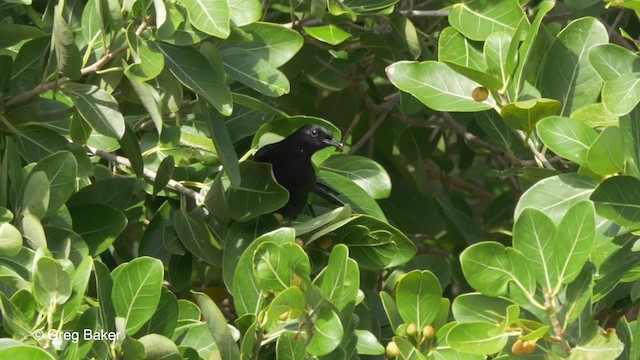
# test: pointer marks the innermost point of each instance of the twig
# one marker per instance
(557, 328)
(425, 13)
(147, 173)
(355, 147)
(85, 71)
(538, 155)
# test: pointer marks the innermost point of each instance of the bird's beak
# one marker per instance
(333, 142)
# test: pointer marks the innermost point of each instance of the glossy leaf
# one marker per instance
(255, 72)
(195, 72)
(566, 137)
(476, 338)
(245, 283)
(607, 153)
(556, 194)
(612, 61)
(524, 115)
(10, 239)
(97, 107)
(244, 12)
(35, 195)
(98, 225)
(489, 267)
(211, 17)
(617, 199)
(330, 34)
(351, 193)
(217, 324)
(534, 235)
(621, 95)
(136, 291)
(496, 49)
(418, 298)
(366, 173)
(51, 284)
(289, 347)
(566, 74)
(195, 236)
(477, 20)
(437, 86)
(68, 56)
(276, 265)
(327, 333)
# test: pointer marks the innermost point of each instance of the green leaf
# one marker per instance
(454, 48)
(621, 95)
(25, 352)
(578, 294)
(98, 225)
(68, 58)
(489, 267)
(148, 60)
(272, 42)
(165, 171)
(97, 107)
(245, 284)
(195, 236)
(477, 338)
(418, 298)
(330, 34)
(136, 291)
(327, 333)
(607, 153)
(391, 309)
(11, 33)
(276, 265)
(566, 74)
(595, 115)
(51, 284)
(352, 194)
(534, 235)
(255, 72)
(157, 346)
(601, 346)
(527, 47)
(224, 145)
(573, 241)
(474, 307)
(437, 86)
(524, 115)
(496, 49)
(211, 17)
(217, 324)
(245, 12)
(290, 347)
(366, 173)
(150, 99)
(10, 240)
(368, 344)
(35, 195)
(61, 169)
(290, 302)
(259, 193)
(568, 138)
(194, 71)
(341, 281)
(556, 194)
(478, 19)
(611, 61)
(618, 199)
(407, 350)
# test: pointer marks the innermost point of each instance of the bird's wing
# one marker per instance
(328, 193)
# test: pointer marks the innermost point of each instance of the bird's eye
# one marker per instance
(314, 133)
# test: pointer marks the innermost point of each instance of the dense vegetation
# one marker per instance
(491, 179)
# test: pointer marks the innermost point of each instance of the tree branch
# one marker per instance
(18, 99)
(147, 173)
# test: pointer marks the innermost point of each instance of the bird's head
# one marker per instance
(311, 138)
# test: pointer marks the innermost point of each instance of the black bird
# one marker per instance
(292, 166)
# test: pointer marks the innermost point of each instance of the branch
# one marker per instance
(538, 155)
(85, 71)
(147, 173)
(557, 328)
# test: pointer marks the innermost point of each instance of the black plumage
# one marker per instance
(292, 166)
